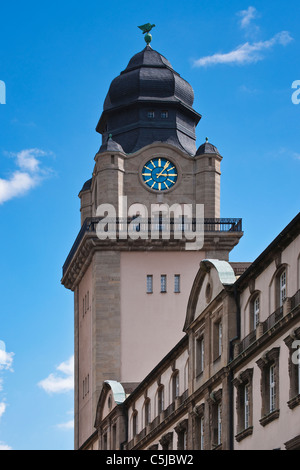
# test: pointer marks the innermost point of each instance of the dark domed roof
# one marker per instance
(149, 102)
(87, 186)
(148, 57)
(110, 146)
(207, 148)
(148, 75)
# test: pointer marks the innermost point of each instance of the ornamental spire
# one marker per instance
(146, 28)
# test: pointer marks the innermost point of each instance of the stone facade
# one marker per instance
(229, 383)
(116, 320)
(117, 174)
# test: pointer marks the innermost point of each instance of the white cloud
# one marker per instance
(60, 383)
(2, 408)
(17, 185)
(246, 53)
(67, 425)
(28, 159)
(5, 446)
(247, 16)
(6, 359)
(27, 175)
(248, 90)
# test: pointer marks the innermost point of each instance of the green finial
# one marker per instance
(110, 136)
(206, 138)
(146, 28)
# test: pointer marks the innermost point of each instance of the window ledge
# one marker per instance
(218, 358)
(270, 417)
(294, 402)
(199, 375)
(243, 434)
(217, 447)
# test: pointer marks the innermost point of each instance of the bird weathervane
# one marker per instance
(146, 28)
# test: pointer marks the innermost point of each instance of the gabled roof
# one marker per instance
(118, 394)
(226, 276)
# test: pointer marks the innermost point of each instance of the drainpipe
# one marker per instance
(125, 415)
(231, 346)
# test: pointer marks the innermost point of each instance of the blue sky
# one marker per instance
(57, 60)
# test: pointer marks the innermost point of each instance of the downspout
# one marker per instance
(125, 414)
(231, 356)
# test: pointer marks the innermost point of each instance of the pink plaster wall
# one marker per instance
(152, 323)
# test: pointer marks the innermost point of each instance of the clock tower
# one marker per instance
(131, 292)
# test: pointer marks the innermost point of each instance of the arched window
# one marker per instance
(255, 310)
(147, 411)
(134, 423)
(175, 385)
(160, 399)
(282, 287)
(186, 375)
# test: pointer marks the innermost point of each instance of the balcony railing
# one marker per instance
(295, 300)
(130, 444)
(170, 409)
(268, 324)
(246, 342)
(157, 420)
(149, 227)
(273, 319)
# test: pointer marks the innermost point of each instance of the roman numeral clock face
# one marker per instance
(159, 174)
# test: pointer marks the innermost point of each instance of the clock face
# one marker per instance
(159, 174)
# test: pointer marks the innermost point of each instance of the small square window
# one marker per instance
(177, 283)
(164, 114)
(149, 284)
(163, 283)
(150, 114)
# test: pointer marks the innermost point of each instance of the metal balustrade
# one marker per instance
(269, 323)
(151, 227)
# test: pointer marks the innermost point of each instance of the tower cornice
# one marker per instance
(87, 243)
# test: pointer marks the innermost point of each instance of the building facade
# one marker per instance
(131, 287)
(233, 380)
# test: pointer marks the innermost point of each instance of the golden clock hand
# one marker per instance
(157, 176)
(166, 166)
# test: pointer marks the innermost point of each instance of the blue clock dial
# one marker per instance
(159, 174)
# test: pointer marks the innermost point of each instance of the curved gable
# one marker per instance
(112, 394)
(210, 280)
